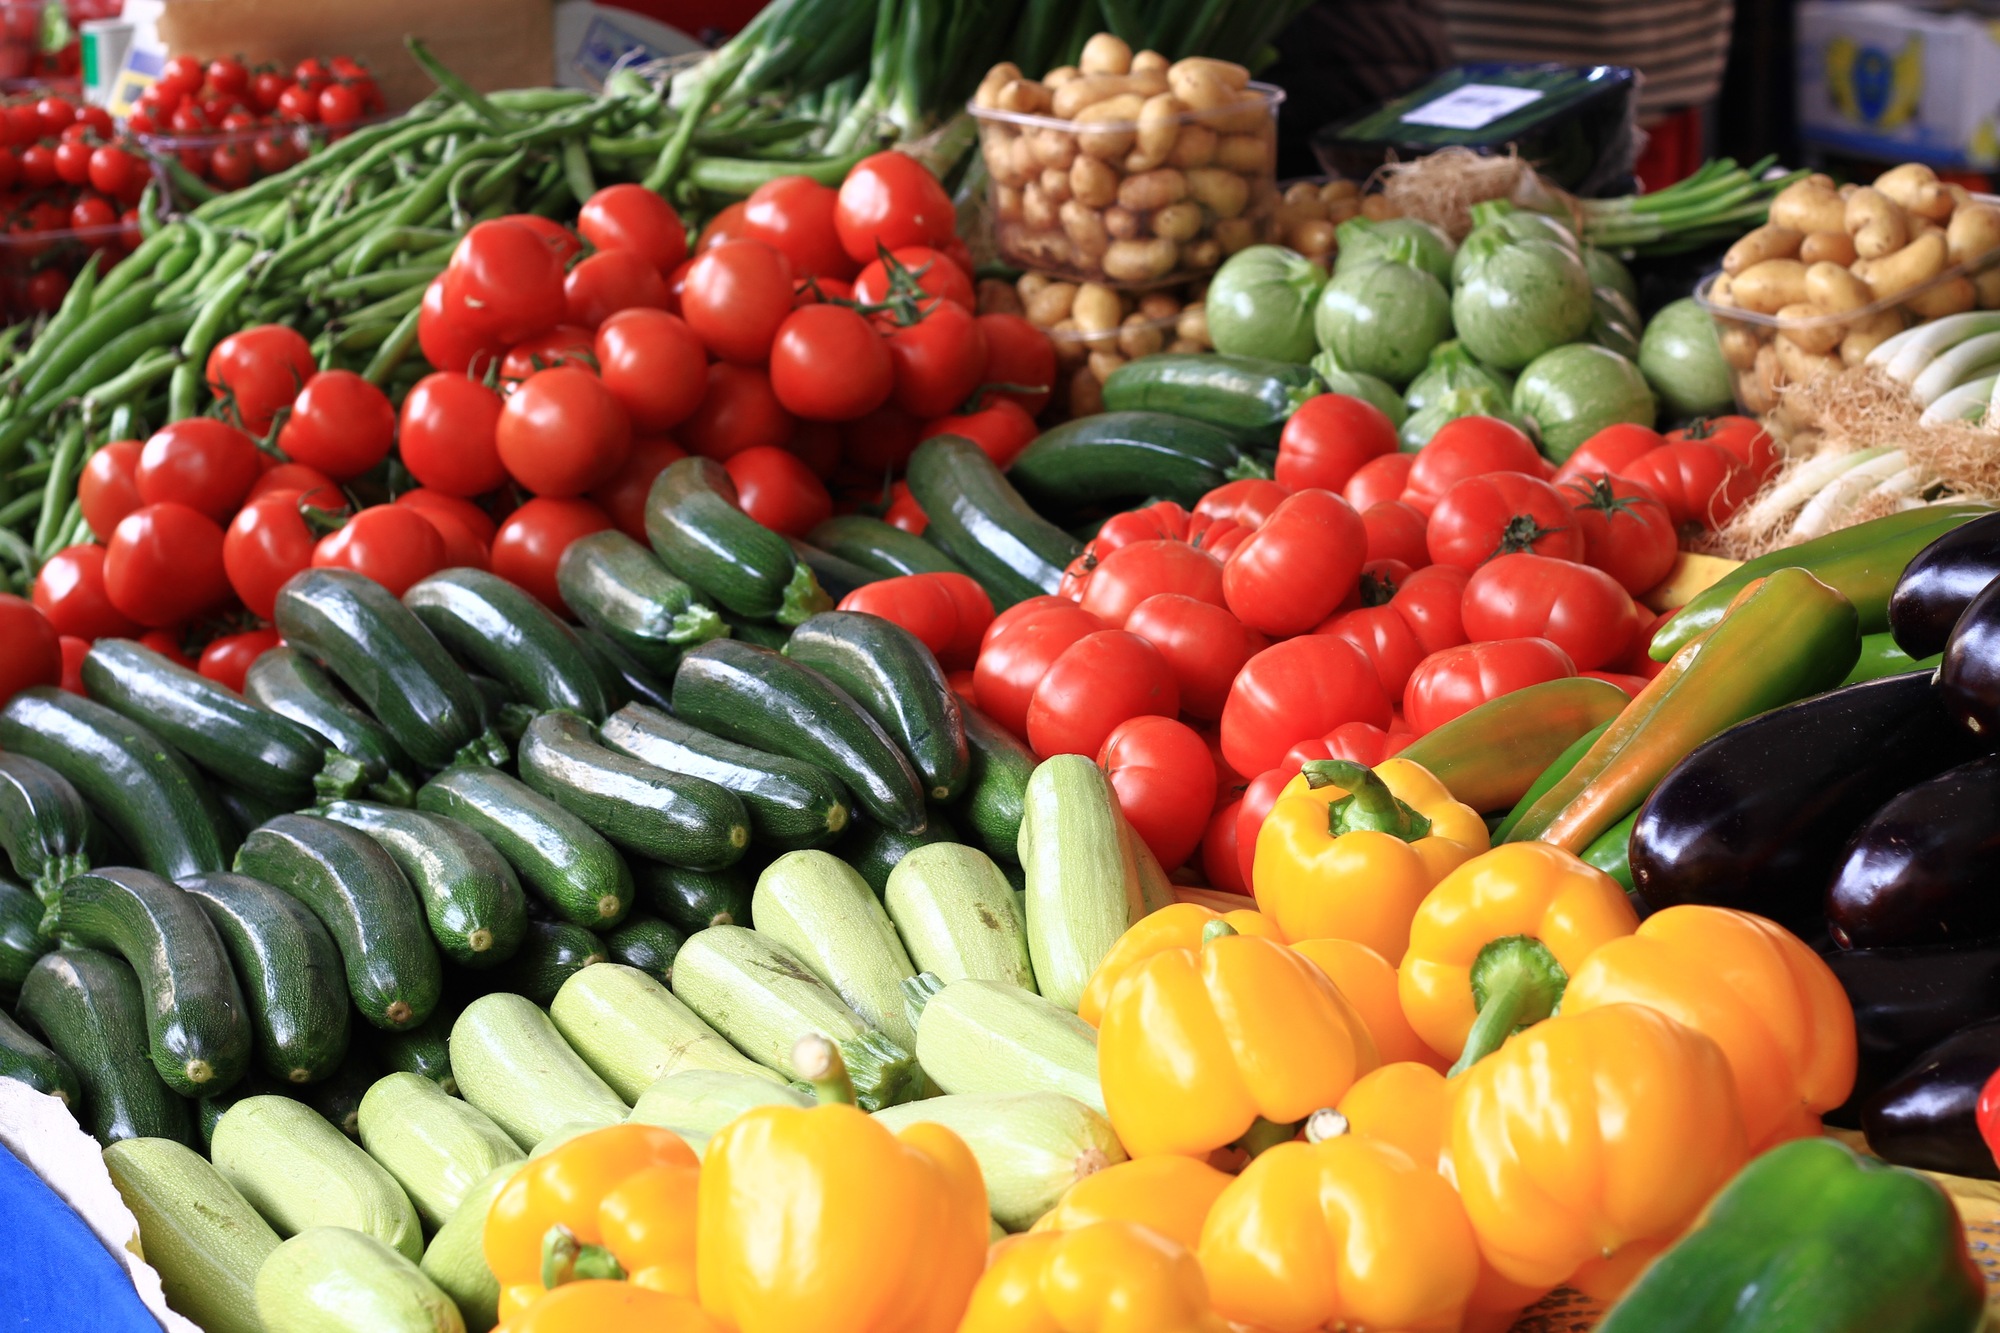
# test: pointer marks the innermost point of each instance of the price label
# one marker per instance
(1472, 106)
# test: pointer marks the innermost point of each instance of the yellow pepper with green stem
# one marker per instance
(1105, 1277)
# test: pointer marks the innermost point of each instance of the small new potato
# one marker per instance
(1916, 188)
(1799, 364)
(1070, 349)
(1912, 266)
(1152, 189)
(1096, 309)
(1122, 224)
(1038, 211)
(1139, 336)
(1093, 182)
(1769, 241)
(1182, 221)
(1024, 97)
(1106, 53)
(1831, 287)
(997, 296)
(1770, 286)
(1249, 154)
(1150, 62)
(1223, 193)
(1159, 126)
(1054, 184)
(1987, 284)
(1877, 223)
(1086, 393)
(1235, 234)
(1827, 247)
(1055, 148)
(1739, 346)
(1313, 238)
(1974, 231)
(1085, 228)
(1194, 147)
(1159, 305)
(1809, 206)
(1377, 208)
(1049, 305)
(1198, 86)
(1954, 296)
(1808, 332)
(1203, 253)
(1864, 336)
(1109, 128)
(1140, 260)
(1007, 201)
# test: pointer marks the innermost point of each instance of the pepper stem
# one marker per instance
(1216, 929)
(565, 1259)
(817, 1061)
(1516, 982)
(1264, 1135)
(1369, 804)
(1325, 1123)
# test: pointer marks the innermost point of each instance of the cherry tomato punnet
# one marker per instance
(1101, 680)
(1296, 689)
(1581, 610)
(1203, 643)
(1494, 513)
(1290, 574)
(1165, 782)
(1456, 681)
(1328, 438)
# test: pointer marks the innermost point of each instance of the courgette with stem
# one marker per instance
(434, 1145)
(988, 1036)
(983, 523)
(472, 899)
(699, 530)
(21, 937)
(551, 953)
(955, 912)
(44, 824)
(560, 858)
(879, 547)
(620, 589)
(292, 685)
(87, 1006)
(288, 969)
(691, 900)
(889, 672)
(817, 906)
(198, 1230)
(24, 1059)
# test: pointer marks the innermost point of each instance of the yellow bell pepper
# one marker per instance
(1349, 853)
(1369, 982)
(1239, 1038)
(1107, 1277)
(1495, 942)
(1171, 1195)
(599, 1306)
(1589, 1133)
(1176, 926)
(1776, 1010)
(1344, 1233)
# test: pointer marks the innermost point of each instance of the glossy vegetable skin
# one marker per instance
(1940, 582)
(1928, 1117)
(1921, 870)
(1488, 757)
(1906, 1001)
(1969, 676)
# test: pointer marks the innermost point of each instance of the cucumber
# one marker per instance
(28, 1061)
(336, 1098)
(1250, 396)
(512, 1064)
(955, 912)
(562, 860)
(890, 672)
(251, 748)
(647, 943)
(456, 1257)
(817, 906)
(620, 589)
(1083, 883)
(330, 1279)
(748, 695)
(201, 1235)
(633, 1032)
(292, 685)
(988, 1036)
(982, 522)
(346, 880)
(875, 852)
(21, 938)
(149, 795)
(424, 1050)
(691, 900)
(1030, 1146)
(44, 824)
(700, 532)
(496, 628)
(763, 998)
(471, 897)
(551, 953)
(198, 1028)
(301, 1172)
(622, 676)
(792, 804)
(290, 973)
(996, 786)
(1123, 455)
(395, 667)
(434, 1145)
(837, 575)
(88, 1008)
(884, 550)
(668, 816)
(696, 1103)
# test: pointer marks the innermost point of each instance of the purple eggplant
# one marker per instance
(1940, 582)
(1925, 868)
(1928, 1117)
(1907, 1001)
(1969, 676)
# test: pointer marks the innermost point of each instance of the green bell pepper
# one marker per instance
(1881, 657)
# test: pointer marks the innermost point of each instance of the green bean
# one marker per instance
(319, 244)
(144, 374)
(738, 176)
(142, 262)
(496, 179)
(68, 531)
(387, 311)
(539, 101)
(115, 355)
(456, 88)
(391, 353)
(180, 256)
(188, 185)
(183, 393)
(60, 488)
(576, 170)
(74, 344)
(123, 424)
(71, 314)
(383, 149)
(393, 241)
(376, 285)
(208, 242)
(225, 267)
(17, 509)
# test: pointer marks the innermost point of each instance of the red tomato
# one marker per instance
(1328, 439)
(794, 216)
(1363, 743)
(533, 538)
(1627, 532)
(1742, 436)
(74, 650)
(728, 225)
(655, 365)
(1020, 356)
(205, 464)
(882, 441)
(1258, 798)
(318, 488)
(1379, 480)
(1204, 645)
(1468, 447)
(624, 496)
(563, 433)
(109, 486)
(227, 659)
(1219, 855)
(891, 200)
(451, 344)
(268, 541)
(69, 589)
(1130, 574)
(1248, 502)
(1385, 639)
(1015, 654)
(737, 295)
(1291, 573)
(563, 345)
(468, 515)
(1498, 512)
(1581, 610)
(949, 612)
(1632, 685)
(1698, 482)
(739, 411)
(632, 217)
(925, 275)
(777, 489)
(1165, 783)
(463, 548)
(1635, 660)
(904, 512)
(1458, 680)
(1430, 599)
(939, 360)
(1001, 429)
(449, 437)
(610, 281)
(29, 651)
(392, 544)
(168, 644)
(258, 371)
(1396, 532)
(828, 364)
(1295, 689)
(163, 564)
(562, 242)
(504, 284)
(1610, 450)
(341, 424)
(1101, 680)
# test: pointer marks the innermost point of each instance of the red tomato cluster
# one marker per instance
(230, 124)
(69, 186)
(25, 52)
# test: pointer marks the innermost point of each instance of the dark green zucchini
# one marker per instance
(647, 943)
(1248, 395)
(198, 1028)
(150, 796)
(620, 589)
(244, 811)
(668, 816)
(378, 648)
(290, 972)
(362, 899)
(292, 685)
(252, 748)
(793, 805)
(88, 1008)
(890, 672)
(982, 522)
(27, 1060)
(624, 678)
(874, 545)
(423, 1050)
(470, 894)
(21, 937)
(337, 1097)
(44, 824)
(500, 712)
(499, 629)
(700, 532)
(551, 953)
(691, 900)
(837, 574)
(1121, 455)
(562, 860)
(753, 695)
(996, 788)
(756, 632)
(873, 850)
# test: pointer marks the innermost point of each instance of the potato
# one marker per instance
(1769, 241)
(1877, 223)
(1739, 346)
(1055, 148)
(1049, 305)
(1096, 309)
(1196, 83)
(1828, 247)
(1074, 97)
(1249, 154)
(1770, 286)
(1139, 336)
(1193, 324)
(1758, 388)
(1722, 291)
(1314, 238)
(1007, 201)
(1182, 347)
(1086, 393)
(1799, 365)
(1896, 273)
(1152, 189)
(1150, 62)
(1987, 285)
(1202, 253)
(1060, 75)
(1159, 126)
(1029, 283)
(1038, 211)
(1377, 208)
(1193, 147)
(1833, 288)
(1342, 209)
(1109, 128)
(996, 78)
(1809, 206)
(1093, 182)
(1809, 332)
(1140, 260)
(1159, 305)
(1085, 228)
(1045, 249)
(1182, 221)
(1235, 234)
(1223, 193)
(1974, 231)
(1105, 53)
(1054, 184)
(1916, 188)
(1023, 97)
(1122, 224)
(1866, 335)
(1250, 113)
(1954, 296)
(1070, 350)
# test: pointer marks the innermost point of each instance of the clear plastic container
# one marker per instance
(37, 268)
(231, 159)
(1131, 203)
(28, 62)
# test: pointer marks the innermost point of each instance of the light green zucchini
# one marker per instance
(632, 1031)
(955, 911)
(988, 1036)
(511, 1063)
(456, 1257)
(300, 1172)
(820, 908)
(1082, 878)
(332, 1280)
(1031, 1146)
(696, 1103)
(201, 1235)
(436, 1146)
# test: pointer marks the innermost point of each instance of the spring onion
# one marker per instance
(1720, 200)
(1934, 339)
(1970, 359)
(1805, 481)
(1966, 402)
(1823, 512)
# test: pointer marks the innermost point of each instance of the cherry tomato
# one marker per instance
(179, 77)
(56, 114)
(563, 345)
(828, 364)
(729, 225)
(1378, 481)
(632, 217)
(738, 411)
(1248, 502)
(274, 153)
(1130, 574)
(655, 365)
(1494, 513)
(118, 173)
(266, 87)
(339, 104)
(1627, 532)
(624, 496)
(1293, 690)
(1467, 447)
(318, 489)
(232, 165)
(891, 200)
(563, 433)
(1610, 450)
(69, 589)
(29, 652)
(1289, 574)
(1104, 678)
(38, 166)
(448, 436)
(90, 213)
(1020, 360)
(939, 360)
(948, 612)
(533, 538)
(109, 487)
(794, 216)
(200, 462)
(341, 424)
(1328, 438)
(452, 344)
(228, 75)
(300, 104)
(1385, 639)
(504, 284)
(227, 660)
(778, 490)
(1581, 610)
(1203, 644)
(737, 296)
(564, 243)
(258, 371)
(391, 544)
(934, 277)
(267, 542)
(1396, 532)
(1017, 651)
(1448, 684)
(1698, 482)
(610, 281)
(1165, 783)
(464, 512)
(163, 564)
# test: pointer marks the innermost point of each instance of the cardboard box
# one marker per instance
(1894, 82)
